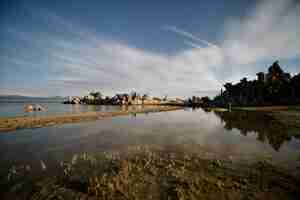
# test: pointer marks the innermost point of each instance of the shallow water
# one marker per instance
(12, 109)
(237, 134)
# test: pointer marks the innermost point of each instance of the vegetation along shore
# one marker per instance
(144, 172)
(276, 87)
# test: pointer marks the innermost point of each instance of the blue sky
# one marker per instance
(179, 48)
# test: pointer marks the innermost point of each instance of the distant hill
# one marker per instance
(20, 98)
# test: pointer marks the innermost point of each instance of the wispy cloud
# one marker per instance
(84, 60)
(269, 31)
(76, 59)
(124, 67)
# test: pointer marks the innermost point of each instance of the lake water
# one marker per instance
(237, 134)
(13, 108)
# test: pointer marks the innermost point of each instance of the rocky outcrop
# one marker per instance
(73, 100)
(37, 107)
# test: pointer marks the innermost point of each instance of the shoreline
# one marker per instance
(8, 124)
(261, 108)
(289, 116)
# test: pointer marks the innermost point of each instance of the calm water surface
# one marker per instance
(237, 134)
(11, 109)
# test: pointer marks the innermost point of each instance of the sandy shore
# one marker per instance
(14, 123)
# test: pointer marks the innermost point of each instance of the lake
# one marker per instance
(9, 108)
(246, 135)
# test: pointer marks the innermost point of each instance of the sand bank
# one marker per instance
(14, 123)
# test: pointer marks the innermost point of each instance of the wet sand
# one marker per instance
(14, 123)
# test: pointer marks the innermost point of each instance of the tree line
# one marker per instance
(271, 88)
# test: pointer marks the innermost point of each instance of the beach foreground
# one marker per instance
(14, 123)
(152, 173)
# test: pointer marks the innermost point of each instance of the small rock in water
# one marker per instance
(28, 108)
(27, 168)
(43, 166)
(217, 163)
(11, 173)
(74, 159)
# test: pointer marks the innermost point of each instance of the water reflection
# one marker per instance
(266, 128)
(235, 134)
(17, 109)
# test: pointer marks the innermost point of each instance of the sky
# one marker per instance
(171, 47)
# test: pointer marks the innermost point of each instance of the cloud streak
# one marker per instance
(188, 35)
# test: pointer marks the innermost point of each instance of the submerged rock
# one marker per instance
(28, 108)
